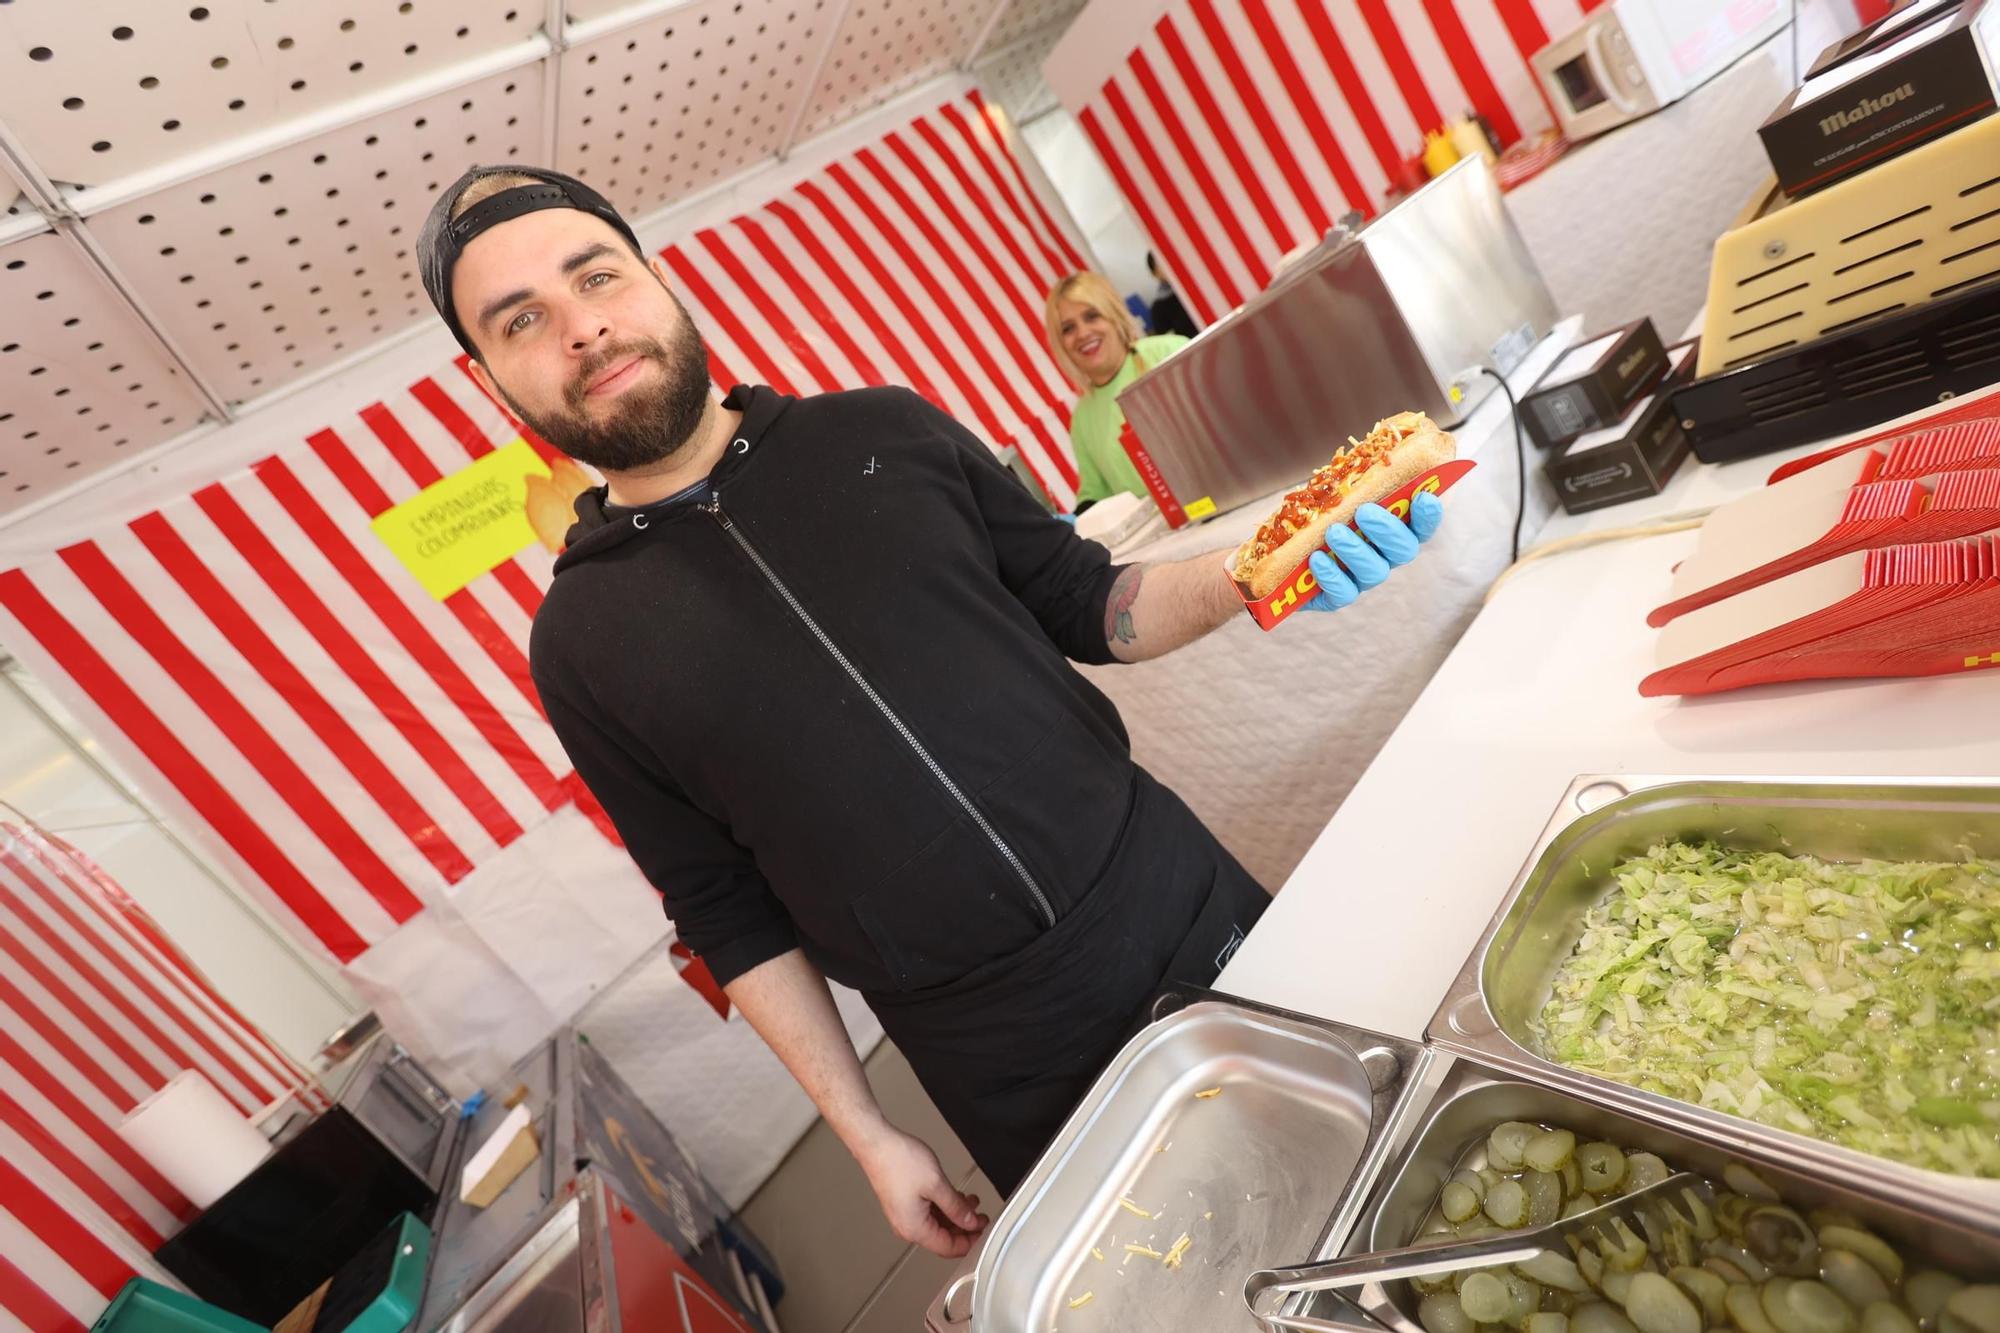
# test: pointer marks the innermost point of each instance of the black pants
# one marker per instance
(1007, 1051)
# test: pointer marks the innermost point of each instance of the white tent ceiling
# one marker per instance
(217, 202)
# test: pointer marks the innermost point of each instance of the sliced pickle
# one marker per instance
(1867, 1245)
(1508, 1142)
(1707, 1288)
(1656, 1305)
(1549, 1150)
(1485, 1297)
(1926, 1292)
(1602, 1166)
(1442, 1313)
(1853, 1277)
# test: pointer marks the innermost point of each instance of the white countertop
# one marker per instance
(1377, 919)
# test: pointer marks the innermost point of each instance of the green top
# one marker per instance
(1102, 467)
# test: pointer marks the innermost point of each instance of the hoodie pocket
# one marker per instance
(953, 907)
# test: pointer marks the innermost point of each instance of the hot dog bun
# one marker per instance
(1398, 451)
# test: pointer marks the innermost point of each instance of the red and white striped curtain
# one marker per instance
(1238, 129)
(922, 260)
(353, 748)
(97, 1011)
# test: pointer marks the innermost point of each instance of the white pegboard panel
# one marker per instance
(886, 47)
(1012, 74)
(99, 89)
(82, 383)
(1031, 16)
(267, 270)
(20, 218)
(652, 112)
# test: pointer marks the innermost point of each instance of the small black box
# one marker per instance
(1926, 77)
(1592, 384)
(1631, 458)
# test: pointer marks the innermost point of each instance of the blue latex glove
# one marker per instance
(1391, 542)
(1068, 518)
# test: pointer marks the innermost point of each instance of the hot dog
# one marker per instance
(1399, 450)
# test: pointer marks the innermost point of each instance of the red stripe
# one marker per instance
(1327, 38)
(1166, 115)
(93, 895)
(367, 491)
(290, 494)
(1193, 281)
(774, 316)
(991, 114)
(312, 708)
(77, 1171)
(1409, 80)
(541, 446)
(512, 578)
(717, 372)
(107, 689)
(1057, 264)
(1471, 70)
(93, 1125)
(20, 1297)
(1039, 281)
(870, 260)
(807, 295)
(1247, 181)
(81, 1012)
(1114, 98)
(325, 627)
(1303, 102)
(451, 416)
(241, 728)
(58, 1037)
(1040, 371)
(715, 308)
(1524, 26)
(58, 1228)
(97, 979)
(866, 309)
(952, 312)
(1251, 97)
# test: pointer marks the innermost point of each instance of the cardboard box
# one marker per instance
(1927, 72)
(1300, 587)
(1630, 459)
(1591, 385)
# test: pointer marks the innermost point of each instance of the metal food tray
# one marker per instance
(1489, 1012)
(1275, 1166)
(1451, 1129)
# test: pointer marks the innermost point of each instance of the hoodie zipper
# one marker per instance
(714, 507)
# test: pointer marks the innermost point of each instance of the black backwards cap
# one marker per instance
(445, 237)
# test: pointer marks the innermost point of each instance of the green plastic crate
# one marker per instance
(148, 1307)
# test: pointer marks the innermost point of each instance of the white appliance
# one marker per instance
(1629, 58)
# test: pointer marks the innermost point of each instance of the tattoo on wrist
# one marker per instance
(1118, 606)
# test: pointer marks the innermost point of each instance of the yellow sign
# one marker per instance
(454, 530)
(1201, 508)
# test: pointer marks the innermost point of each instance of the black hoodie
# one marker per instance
(832, 708)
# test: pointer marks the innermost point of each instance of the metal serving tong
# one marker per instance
(1599, 1225)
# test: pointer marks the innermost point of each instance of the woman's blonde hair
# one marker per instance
(1096, 292)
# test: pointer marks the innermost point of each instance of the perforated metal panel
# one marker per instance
(1011, 73)
(662, 108)
(265, 270)
(1023, 17)
(81, 384)
(98, 89)
(885, 47)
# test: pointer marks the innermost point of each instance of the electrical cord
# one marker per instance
(1520, 462)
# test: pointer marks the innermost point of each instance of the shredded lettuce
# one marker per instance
(1855, 1001)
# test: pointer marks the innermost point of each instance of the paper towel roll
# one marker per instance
(191, 1135)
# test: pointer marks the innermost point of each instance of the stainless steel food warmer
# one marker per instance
(1327, 1140)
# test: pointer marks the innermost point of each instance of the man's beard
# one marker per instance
(645, 425)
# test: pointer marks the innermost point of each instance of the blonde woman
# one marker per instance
(1102, 349)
